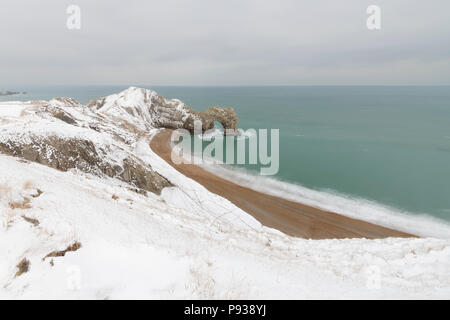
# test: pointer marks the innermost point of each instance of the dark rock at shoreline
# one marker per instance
(10, 93)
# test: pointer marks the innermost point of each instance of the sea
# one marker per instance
(368, 149)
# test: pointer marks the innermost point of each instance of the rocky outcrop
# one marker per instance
(155, 111)
(10, 93)
(227, 117)
(56, 107)
(65, 154)
(100, 138)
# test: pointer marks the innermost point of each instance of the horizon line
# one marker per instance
(225, 85)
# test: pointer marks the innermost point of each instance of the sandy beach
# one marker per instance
(290, 217)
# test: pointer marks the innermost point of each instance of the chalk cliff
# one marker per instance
(98, 138)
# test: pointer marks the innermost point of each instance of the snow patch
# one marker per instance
(186, 243)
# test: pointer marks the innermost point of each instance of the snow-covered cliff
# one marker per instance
(87, 210)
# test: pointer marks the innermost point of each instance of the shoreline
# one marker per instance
(292, 218)
(11, 93)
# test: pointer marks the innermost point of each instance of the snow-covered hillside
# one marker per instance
(86, 232)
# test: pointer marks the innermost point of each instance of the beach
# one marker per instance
(122, 202)
(292, 218)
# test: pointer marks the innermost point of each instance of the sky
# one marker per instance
(232, 42)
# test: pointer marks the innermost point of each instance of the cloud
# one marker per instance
(224, 42)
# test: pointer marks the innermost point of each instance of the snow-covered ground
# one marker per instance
(185, 243)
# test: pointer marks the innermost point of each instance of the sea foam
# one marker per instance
(418, 224)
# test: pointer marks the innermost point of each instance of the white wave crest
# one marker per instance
(419, 224)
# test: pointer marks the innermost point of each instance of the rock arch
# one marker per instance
(227, 117)
(158, 112)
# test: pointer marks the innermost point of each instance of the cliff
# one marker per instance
(99, 138)
(152, 110)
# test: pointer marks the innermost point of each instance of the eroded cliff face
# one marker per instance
(100, 138)
(155, 111)
(65, 154)
(226, 116)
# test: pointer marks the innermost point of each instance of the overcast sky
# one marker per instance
(227, 42)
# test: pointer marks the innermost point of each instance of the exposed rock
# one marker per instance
(56, 107)
(72, 248)
(155, 111)
(23, 204)
(65, 154)
(37, 194)
(34, 222)
(67, 102)
(227, 117)
(100, 138)
(61, 115)
(56, 152)
(23, 267)
(142, 176)
(8, 93)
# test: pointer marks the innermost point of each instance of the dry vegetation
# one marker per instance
(74, 247)
(23, 267)
(34, 222)
(24, 204)
(37, 194)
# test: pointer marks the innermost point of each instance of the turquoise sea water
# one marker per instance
(390, 145)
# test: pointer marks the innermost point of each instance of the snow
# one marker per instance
(186, 243)
(14, 108)
(136, 247)
(137, 106)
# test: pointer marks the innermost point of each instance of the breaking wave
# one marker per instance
(357, 208)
